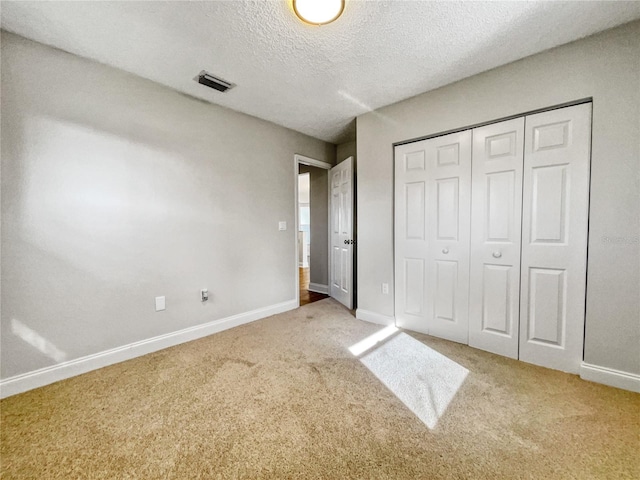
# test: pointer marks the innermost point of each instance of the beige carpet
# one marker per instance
(284, 397)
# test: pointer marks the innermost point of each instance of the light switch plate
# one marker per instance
(160, 304)
(282, 226)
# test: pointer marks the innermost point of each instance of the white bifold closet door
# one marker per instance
(505, 272)
(496, 211)
(432, 227)
(554, 237)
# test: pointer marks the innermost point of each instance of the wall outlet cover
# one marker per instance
(160, 304)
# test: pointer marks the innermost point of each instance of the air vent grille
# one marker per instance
(216, 83)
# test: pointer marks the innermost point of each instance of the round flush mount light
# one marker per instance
(318, 12)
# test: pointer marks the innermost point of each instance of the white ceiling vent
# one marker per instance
(209, 80)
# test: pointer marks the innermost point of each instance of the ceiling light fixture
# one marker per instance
(318, 12)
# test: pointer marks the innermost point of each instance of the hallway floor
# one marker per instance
(306, 296)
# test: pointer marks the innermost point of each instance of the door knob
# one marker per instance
(497, 254)
(445, 250)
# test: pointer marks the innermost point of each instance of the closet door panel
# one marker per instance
(494, 294)
(448, 216)
(410, 236)
(432, 208)
(497, 311)
(554, 246)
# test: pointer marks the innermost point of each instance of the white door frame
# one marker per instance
(312, 162)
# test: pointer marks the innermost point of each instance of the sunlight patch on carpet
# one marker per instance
(371, 341)
(423, 379)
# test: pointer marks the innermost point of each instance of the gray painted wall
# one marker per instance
(116, 190)
(345, 150)
(605, 67)
(319, 210)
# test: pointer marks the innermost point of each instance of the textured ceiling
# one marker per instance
(312, 79)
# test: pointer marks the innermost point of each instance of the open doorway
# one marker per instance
(312, 241)
(304, 219)
(312, 234)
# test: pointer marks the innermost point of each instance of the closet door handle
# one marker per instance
(445, 250)
(497, 254)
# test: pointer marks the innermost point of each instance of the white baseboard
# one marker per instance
(319, 288)
(44, 376)
(611, 377)
(374, 317)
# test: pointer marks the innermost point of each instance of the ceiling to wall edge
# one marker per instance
(348, 136)
(349, 133)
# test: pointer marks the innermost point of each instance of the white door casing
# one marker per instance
(432, 198)
(341, 224)
(554, 237)
(496, 211)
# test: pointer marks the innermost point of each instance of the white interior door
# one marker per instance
(554, 237)
(341, 178)
(432, 199)
(494, 293)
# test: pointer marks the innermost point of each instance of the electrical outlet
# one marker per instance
(385, 289)
(204, 295)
